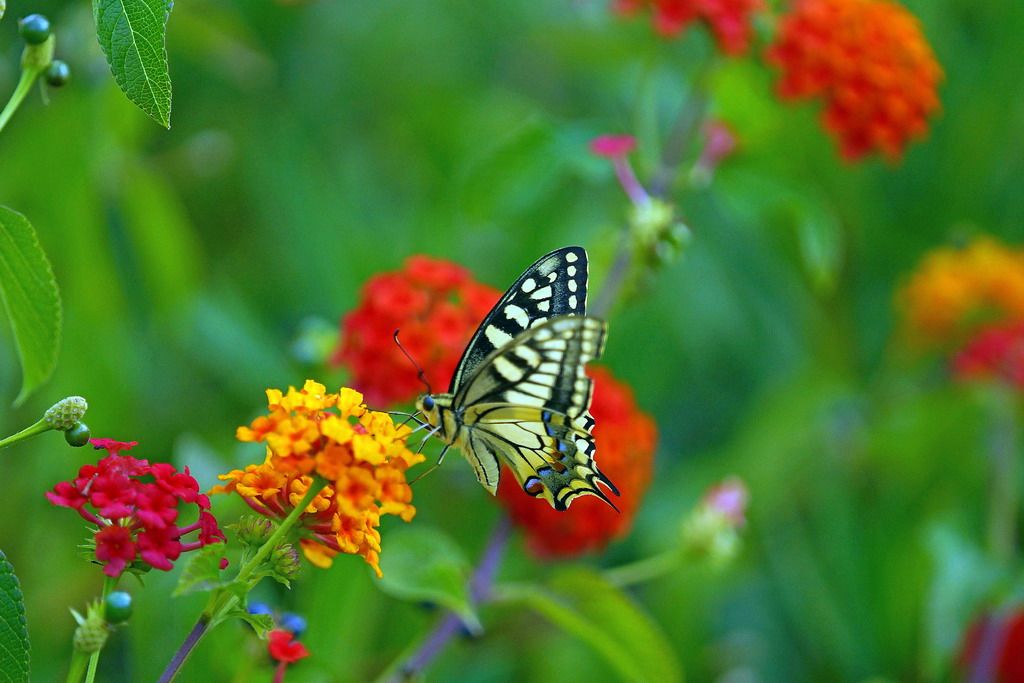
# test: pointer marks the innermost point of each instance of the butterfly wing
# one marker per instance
(556, 284)
(527, 406)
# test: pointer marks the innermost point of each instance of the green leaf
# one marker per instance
(132, 34)
(13, 632)
(203, 572)
(582, 603)
(261, 623)
(31, 299)
(422, 564)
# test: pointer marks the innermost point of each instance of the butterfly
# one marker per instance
(519, 395)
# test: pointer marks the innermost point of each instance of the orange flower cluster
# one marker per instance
(436, 305)
(956, 290)
(729, 20)
(626, 439)
(361, 453)
(870, 63)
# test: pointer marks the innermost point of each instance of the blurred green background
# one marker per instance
(316, 144)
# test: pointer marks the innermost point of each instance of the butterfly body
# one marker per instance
(520, 396)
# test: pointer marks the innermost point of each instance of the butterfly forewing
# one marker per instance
(556, 284)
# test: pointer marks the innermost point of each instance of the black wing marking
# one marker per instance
(555, 285)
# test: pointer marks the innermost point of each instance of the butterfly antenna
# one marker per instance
(421, 375)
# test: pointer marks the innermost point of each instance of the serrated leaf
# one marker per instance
(132, 34)
(203, 572)
(31, 299)
(422, 564)
(14, 646)
(582, 603)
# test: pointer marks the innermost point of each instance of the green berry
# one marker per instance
(58, 73)
(78, 435)
(34, 29)
(119, 607)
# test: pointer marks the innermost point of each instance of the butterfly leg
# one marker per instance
(433, 467)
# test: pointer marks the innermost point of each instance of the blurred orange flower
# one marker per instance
(729, 20)
(956, 290)
(437, 306)
(870, 63)
(361, 453)
(626, 439)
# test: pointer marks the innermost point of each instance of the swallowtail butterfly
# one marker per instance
(520, 396)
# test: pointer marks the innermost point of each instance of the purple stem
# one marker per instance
(178, 660)
(480, 585)
(993, 633)
(627, 178)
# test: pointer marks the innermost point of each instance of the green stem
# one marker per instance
(28, 77)
(1003, 502)
(649, 568)
(79, 661)
(28, 432)
(222, 601)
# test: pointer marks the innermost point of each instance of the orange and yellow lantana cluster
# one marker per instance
(361, 453)
(957, 290)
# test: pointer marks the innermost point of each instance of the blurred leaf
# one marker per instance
(820, 240)
(203, 572)
(132, 34)
(964, 580)
(425, 565)
(582, 603)
(31, 299)
(162, 234)
(14, 662)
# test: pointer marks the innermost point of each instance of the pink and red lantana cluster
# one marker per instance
(729, 20)
(135, 507)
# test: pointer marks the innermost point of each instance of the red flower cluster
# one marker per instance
(135, 506)
(869, 62)
(994, 353)
(625, 439)
(436, 305)
(1000, 641)
(283, 647)
(729, 20)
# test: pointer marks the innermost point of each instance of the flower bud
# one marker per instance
(285, 559)
(91, 634)
(64, 414)
(712, 529)
(294, 623)
(254, 531)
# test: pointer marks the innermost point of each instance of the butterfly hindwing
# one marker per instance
(556, 284)
(527, 406)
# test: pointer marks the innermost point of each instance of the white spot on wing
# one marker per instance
(497, 336)
(529, 285)
(572, 301)
(552, 276)
(572, 285)
(571, 270)
(544, 307)
(518, 314)
(542, 293)
(571, 257)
